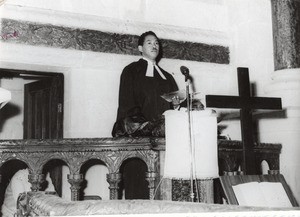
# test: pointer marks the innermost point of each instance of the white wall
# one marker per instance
(207, 14)
(250, 30)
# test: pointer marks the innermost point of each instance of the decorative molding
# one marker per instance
(112, 25)
(48, 35)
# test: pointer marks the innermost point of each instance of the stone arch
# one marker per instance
(50, 167)
(264, 167)
(134, 184)
(94, 183)
(7, 170)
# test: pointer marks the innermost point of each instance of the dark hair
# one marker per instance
(143, 36)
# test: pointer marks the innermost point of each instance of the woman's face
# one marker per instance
(150, 48)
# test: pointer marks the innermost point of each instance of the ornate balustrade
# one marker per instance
(113, 152)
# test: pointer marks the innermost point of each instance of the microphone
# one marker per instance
(185, 71)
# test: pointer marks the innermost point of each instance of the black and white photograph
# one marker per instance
(184, 108)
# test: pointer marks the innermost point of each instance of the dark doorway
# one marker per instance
(43, 109)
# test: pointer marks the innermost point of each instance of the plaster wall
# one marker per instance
(207, 14)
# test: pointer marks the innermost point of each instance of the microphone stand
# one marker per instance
(187, 85)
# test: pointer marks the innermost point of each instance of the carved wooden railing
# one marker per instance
(113, 152)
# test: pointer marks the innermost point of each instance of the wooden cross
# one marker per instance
(245, 103)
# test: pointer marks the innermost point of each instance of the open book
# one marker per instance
(267, 194)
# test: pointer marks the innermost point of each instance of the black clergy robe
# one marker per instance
(138, 90)
(141, 94)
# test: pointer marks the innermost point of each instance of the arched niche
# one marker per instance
(7, 170)
(134, 181)
(50, 167)
(264, 167)
(95, 185)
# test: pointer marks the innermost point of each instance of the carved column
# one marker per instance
(151, 177)
(36, 179)
(75, 180)
(285, 129)
(113, 179)
(286, 34)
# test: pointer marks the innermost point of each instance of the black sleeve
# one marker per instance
(126, 93)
